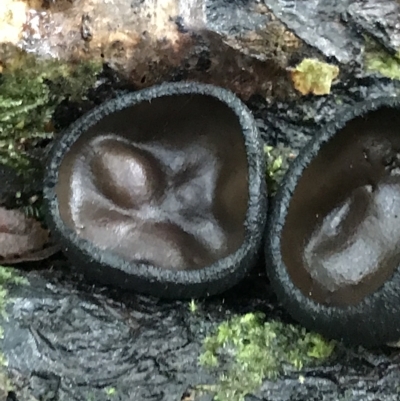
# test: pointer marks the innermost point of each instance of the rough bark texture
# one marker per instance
(73, 341)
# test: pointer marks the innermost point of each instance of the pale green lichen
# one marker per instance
(378, 59)
(277, 162)
(314, 76)
(110, 391)
(193, 306)
(5, 383)
(30, 90)
(8, 276)
(255, 350)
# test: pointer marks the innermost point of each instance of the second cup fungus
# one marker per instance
(333, 237)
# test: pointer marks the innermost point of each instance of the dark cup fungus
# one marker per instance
(161, 191)
(333, 249)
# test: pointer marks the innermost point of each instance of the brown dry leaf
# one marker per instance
(314, 76)
(22, 238)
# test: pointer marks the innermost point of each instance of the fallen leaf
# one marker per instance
(23, 238)
(314, 76)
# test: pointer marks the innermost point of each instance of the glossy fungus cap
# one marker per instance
(161, 191)
(333, 246)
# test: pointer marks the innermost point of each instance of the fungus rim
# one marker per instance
(352, 323)
(148, 278)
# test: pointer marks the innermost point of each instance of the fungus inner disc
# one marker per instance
(341, 237)
(161, 182)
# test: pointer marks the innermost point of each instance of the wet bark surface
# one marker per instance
(65, 339)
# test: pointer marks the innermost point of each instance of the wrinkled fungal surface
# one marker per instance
(163, 182)
(343, 222)
(161, 179)
(338, 224)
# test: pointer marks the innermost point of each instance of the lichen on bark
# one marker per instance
(377, 59)
(278, 159)
(8, 277)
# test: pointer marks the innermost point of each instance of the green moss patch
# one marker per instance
(277, 160)
(378, 59)
(30, 90)
(255, 349)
